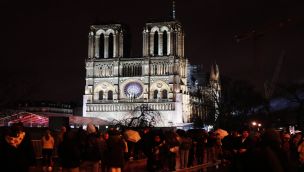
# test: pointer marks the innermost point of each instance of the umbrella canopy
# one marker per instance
(132, 135)
(222, 133)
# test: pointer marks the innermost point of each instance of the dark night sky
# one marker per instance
(44, 43)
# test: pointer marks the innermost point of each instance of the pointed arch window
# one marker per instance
(165, 43)
(100, 95)
(111, 45)
(110, 95)
(101, 46)
(155, 94)
(164, 94)
(155, 52)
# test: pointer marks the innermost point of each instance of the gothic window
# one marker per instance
(110, 95)
(101, 46)
(155, 94)
(165, 94)
(165, 43)
(140, 70)
(124, 70)
(101, 95)
(110, 70)
(155, 43)
(111, 45)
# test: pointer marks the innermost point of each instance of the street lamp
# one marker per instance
(256, 125)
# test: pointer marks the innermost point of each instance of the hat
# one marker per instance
(91, 128)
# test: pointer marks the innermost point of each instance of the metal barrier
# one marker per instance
(37, 148)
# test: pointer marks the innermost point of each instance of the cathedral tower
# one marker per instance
(116, 86)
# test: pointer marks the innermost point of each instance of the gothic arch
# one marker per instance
(109, 31)
(164, 94)
(164, 28)
(100, 31)
(110, 95)
(154, 29)
(100, 95)
(160, 86)
(105, 86)
(155, 93)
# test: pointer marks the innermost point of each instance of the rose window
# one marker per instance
(133, 90)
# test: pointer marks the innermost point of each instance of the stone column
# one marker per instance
(144, 43)
(183, 45)
(160, 43)
(151, 43)
(179, 44)
(106, 46)
(120, 44)
(168, 43)
(90, 45)
(97, 46)
(115, 45)
(172, 43)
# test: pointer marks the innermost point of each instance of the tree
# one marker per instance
(238, 99)
(294, 95)
(141, 116)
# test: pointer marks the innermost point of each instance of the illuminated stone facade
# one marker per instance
(117, 84)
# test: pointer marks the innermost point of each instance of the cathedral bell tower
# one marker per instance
(106, 41)
(163, 39)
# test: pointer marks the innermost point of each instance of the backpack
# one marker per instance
(91, 149)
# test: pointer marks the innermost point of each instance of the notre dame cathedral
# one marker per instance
(161, 78)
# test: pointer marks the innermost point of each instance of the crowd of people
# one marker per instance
(90, 150)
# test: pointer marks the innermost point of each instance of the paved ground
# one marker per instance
(139, 166)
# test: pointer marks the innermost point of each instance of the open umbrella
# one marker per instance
(222, 133)
(132, 135)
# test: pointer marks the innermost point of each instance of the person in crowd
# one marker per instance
(285, 137)
(230, 144)
(104, 150)
(48, 143)
(294, 144)
(58, 140)
(185, 145)
(115, 154)
(269, 156)
(91, 150)
(146, 145)
(69, 152)
(16, 149)
(172, 148)
(201, 149)
(61, 134)
(243, 144)
(301, 155)
(211, 143)
(156, 160)
(192, 150)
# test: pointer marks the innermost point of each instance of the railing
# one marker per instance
(168, 106)
(37, 148)
(130, 101)
(37, 145)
